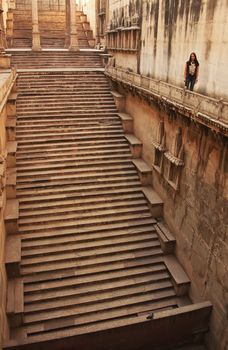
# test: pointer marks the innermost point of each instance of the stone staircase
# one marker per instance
(52, 26)
(55, 59)
(95, 268)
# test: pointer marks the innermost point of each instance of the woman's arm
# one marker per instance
(197, 73)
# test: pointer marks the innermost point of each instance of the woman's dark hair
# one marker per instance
(196, 61)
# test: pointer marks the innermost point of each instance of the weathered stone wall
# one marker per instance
(3, 285)
(172, 29)
(53, 5)
(197, 213)
(119, 13)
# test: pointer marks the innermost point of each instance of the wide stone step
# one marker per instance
(58, 101)
(54, 186)
(77, 164)
(122, 299)
(76, 108)
(61, 64)
(114, 227)
(80, 262)
(84, 115)
(84, 91)
(49, 253)
(84, 222)
(73, 137)
(37, 290)
(72, 162)
(62, 112)
(68, 124)
(58, 77)
(94, 270)
(36, 301)
(82, 219)
(93, 167)
(62, 99)
(36, 155)
(44, 158)
(78, 215)
(58, 105)
(82, 142)
(54, 93)
(160, 290)
(62, 131)
(40, 149)
(159, 280)
(29, 245)
(69, 180)
(104, 199)
(96, 322)
(56, 84)
(58, 122)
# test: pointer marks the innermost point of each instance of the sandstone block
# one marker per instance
(11, 216)
(13, 256)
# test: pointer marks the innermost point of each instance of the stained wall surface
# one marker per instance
(170, 31)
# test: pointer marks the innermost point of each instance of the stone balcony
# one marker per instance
(201, 108)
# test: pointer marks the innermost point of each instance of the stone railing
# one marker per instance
(207, 110)
(7, 81)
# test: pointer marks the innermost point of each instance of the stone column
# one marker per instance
(67, 32)
(4, 58)
(73, 27)
(35, 27)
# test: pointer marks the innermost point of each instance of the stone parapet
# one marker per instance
(7, 82)
(7, 85)
(203, 109)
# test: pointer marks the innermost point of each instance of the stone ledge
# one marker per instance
(11, 147)
(127, 122)
(11, 128)
(12, 97)
(186, 324)
(15, 302)
(11, 181)
(5, 61)
(135, 145)
(119, 101)
(11, 215)
(155, 202)
(144, 171)
(13, 256)
(166, 239)
(179, 277)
